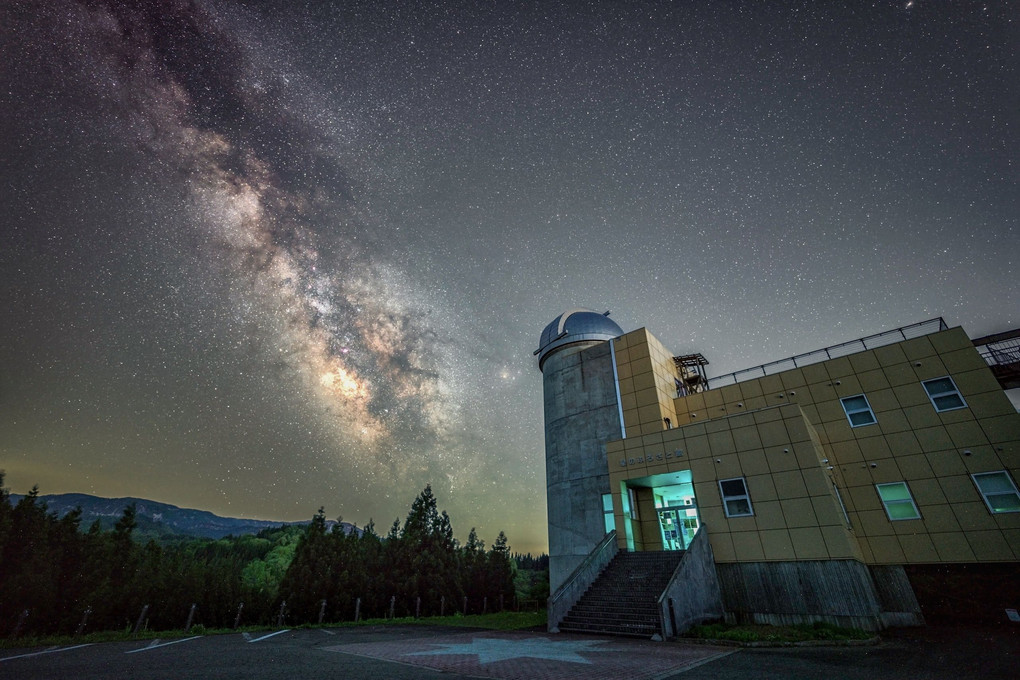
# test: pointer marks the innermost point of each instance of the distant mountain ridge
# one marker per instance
(156, 518)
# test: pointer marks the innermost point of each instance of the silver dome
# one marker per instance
(576, 325)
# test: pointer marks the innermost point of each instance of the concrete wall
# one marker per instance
(581, 413)
(693, 596)
(840, 592)
(577, 583)
(896, 597)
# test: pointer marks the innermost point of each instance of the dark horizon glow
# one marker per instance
(263, 256)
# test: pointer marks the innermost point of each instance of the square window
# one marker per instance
(736, 501)
(998, 490)
(897, 501)
(858, 411)
(943, 394)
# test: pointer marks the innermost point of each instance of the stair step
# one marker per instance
(623, 600)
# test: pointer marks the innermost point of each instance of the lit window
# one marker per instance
(736, 500)
(897, 501)
(943, 394)
(998, 490)
(607, 511)
(858, 411)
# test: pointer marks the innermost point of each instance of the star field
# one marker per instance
(261, 256)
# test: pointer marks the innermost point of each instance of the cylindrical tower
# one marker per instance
(582, 412)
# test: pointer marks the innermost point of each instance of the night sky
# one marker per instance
(260, 257)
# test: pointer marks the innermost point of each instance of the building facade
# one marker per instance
(853, 484)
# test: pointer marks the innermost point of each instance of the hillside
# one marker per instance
(155, 520)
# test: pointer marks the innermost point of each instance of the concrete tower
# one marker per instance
(582, 412)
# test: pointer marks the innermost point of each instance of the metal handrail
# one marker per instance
(915, 330)
(567, 595)
(609, 539)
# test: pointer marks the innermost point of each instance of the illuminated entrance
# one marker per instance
(675, 506)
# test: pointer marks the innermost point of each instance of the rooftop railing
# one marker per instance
(1002, 352)
(860, 345)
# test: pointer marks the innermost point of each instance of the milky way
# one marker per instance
(265, 256)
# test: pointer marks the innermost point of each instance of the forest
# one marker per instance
(58, 578)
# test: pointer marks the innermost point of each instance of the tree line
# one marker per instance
(56, 578)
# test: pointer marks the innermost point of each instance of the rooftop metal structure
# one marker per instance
(691, 368)
(1002, 352)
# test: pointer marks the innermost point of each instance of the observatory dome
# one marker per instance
(576, 325)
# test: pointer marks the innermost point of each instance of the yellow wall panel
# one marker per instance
(990, 545)
(918, 548)
(953, 547)
(886, 550)
(808, 543)
(777, 545)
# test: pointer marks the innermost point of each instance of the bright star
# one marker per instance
(491, 650)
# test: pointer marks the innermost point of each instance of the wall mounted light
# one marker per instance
(874, 465)
(966, 452)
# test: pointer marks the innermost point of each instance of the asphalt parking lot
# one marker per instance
(423, 652)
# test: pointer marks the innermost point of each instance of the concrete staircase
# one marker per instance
(623, 600)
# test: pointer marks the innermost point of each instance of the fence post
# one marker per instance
(237, 619)
(442, 605)
(21, 621)
(465, 605)
(417, 608)
(84, 620)
(141, 617)
(393, 604)
(357, 610)
(191, 615)
(485, 604)
(283, 610)
(322, 611)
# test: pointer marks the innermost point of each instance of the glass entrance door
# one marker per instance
(678, 524)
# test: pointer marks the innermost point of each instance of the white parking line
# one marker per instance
(285, 630)
(48, 651)
(165, 644)
(327, 632)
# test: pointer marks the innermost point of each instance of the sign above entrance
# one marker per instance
(651, 458)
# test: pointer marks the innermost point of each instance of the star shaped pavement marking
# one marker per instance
(490, 650)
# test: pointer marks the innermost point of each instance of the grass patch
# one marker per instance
(761, 633)
(495, 621)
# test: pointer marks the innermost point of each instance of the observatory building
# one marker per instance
(869, 484)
